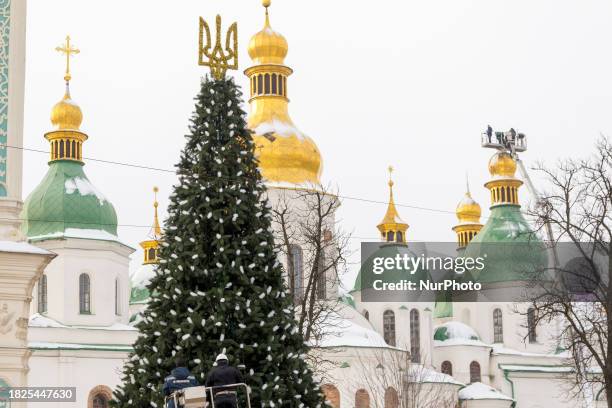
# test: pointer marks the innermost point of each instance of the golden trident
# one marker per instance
(68, 50)
(217, 58)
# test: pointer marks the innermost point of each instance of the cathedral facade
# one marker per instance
(68, 318)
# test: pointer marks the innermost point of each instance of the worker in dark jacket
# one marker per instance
(180, 377)
(224, 374)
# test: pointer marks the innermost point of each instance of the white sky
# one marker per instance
(408, 83)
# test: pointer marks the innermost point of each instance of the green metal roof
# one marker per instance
(66, 200)
(390, 250)
(521, 256)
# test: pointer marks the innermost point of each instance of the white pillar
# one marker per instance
(21, 264)
(12, 67)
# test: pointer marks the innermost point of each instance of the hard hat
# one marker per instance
(221, 357)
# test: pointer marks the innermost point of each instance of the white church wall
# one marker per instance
(461, 356)
(541, 390)
(297, 205)
(84, 369)
(104, 262)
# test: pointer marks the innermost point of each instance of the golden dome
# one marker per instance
(468, 210)
(502, 165)
(285, 154)
(268, 46)
(66, 114)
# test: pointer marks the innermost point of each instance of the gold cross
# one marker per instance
(67, 50)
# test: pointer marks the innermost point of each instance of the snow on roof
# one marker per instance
(480, 391)
(279, 128)
(22, 247)
(344, 332)
(43, 345)
(38, 320)
(500, 349)
(460, 342)
(455, 330)
(83, 187)
(422, 374)
(82, 233)
(536, 368)
(141, 277)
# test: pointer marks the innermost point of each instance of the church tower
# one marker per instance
(468, 214)
(287, 156)
(506, 225)
(392, 228)
(139, 294)
(21, 264)
(87, 284)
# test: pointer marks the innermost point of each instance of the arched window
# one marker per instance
(61, 156)
(296, 259)
(390, 236)
(399, 237)
(391, 398)
(84, 294)
(415, 336)
(100, 401)
(531, 325)
(447, 367)
(259, 84)
(285, 85)
(389, 327)
(366, 314)
(74, 148)
(280, 85)
(274, 83)
(474, 372)
(321, 278)
(267, 84)
(99, 397)
(331, 394)
(117, 298)
(362, 399)
(151, 254)
(498, 328)
(42, 294)
(503, 195)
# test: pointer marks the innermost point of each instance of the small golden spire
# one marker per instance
(468, 214)
(392, 227)
(151, 246)
(156, 227)
(68, 50)
(266, 4)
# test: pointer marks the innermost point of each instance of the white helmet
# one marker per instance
(221, 357)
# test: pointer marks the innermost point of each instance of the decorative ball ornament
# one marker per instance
(266, 3)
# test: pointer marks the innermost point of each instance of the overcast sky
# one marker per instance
(407, 83)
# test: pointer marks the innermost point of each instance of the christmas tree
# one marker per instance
(219, 286)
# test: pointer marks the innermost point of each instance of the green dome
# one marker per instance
(455, 331)
(139, 282)
(66, 204)
(521, 255)
(390, 250)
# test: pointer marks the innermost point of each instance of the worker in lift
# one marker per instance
(180, 377)
(489, 133)
(220, 376)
